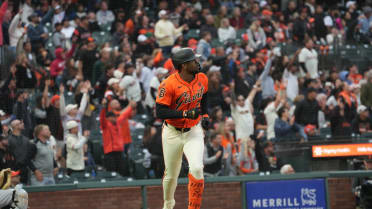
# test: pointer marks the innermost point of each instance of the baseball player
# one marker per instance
(182, 103)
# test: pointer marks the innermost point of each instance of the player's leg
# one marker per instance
(193, 149)
(172, 151)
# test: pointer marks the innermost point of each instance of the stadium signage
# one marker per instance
(286, 194)
(341, 150)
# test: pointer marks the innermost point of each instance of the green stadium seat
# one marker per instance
(101, 37)
(50, 47)
(140, 172)
(240, 32)
(81, 177)
(50, 27)
(192, 33)
(216, 43)
(97, 150)
(105, 27)
(108, 176)
(325, 131)
(142, 118)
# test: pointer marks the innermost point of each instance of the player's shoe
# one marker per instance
(169, 204)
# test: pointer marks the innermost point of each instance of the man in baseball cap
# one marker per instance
(362, 123)
(166, 33)
(71, 111)
(74, 147)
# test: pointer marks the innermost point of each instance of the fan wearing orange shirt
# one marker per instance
(182, 103)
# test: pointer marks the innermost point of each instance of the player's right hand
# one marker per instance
(192, 114)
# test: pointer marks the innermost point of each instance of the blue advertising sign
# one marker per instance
(287, 194)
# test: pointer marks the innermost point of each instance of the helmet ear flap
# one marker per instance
(179, 68)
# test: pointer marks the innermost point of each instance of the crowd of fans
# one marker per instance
(75, 58)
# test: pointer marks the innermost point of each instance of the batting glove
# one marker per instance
(191, 114)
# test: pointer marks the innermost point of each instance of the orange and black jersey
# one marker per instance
(180, 95)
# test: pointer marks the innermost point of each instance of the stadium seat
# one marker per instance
(216, 43)
(108, 176)
(240, 32)
(101, 37)
(82, 177)
(141, 118)
(192, 33)
(325, 131)
(97, 149)
(49, 27)
(50, 47)
(139, 172)
(105, 27)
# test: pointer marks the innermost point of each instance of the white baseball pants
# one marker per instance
(175, 143)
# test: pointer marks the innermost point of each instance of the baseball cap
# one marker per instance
(90, 39)
(70, 107)
(192, 43)
(263, 3)
(118, 74)
(2, 113)
(267, 12)
(328, 21)
(214, 68)
(162, 12)
(361, 109)
(15, 173)
(309, 128)
(54, 99)
(112, 81)
(161, 70)
(142, 38)
(71, 124)
(349, 3)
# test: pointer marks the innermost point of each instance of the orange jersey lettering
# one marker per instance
(180, 95)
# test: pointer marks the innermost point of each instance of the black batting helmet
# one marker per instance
(182, 56)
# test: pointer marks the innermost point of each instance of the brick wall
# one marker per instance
(340, 194)
(108, 198)
(216, 196)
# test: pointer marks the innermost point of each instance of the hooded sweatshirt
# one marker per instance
(58, 65)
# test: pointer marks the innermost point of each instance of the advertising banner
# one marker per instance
(287, 194)
(341, 150)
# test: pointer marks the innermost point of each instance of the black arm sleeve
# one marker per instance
(204, 104)
(303, 66)
(164, 112)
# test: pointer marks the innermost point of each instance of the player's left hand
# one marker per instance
(205, 123)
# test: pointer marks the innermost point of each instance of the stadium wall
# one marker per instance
(218, 195)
